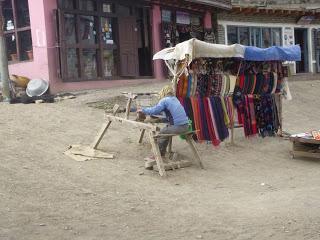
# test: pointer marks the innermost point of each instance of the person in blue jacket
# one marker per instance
(175, 115)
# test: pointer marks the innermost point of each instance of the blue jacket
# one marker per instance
(173, 109)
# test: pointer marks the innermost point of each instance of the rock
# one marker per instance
(142, 173)
(42, 224)
(67, 228)
(39, 101)
(199, 237)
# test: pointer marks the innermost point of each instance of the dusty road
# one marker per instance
(251, 191)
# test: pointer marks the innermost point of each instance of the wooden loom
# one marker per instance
(153, 133)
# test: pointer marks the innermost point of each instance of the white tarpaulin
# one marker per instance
(199, 49)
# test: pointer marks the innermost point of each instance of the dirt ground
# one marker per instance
(250, 191)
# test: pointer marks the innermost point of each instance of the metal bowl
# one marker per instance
(37, 87)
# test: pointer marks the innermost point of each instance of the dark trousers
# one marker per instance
(170, 129)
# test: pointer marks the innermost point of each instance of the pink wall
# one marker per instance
(156, 38)
(38, 68)
(208, 20)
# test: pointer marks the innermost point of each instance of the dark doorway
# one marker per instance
(301, 38)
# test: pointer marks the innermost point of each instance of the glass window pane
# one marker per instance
(72, 63)
(166, 16)
(107, 31)
(276, 36)
(88, 33)
(232, 35)
(25, 44)
(66, 4)
(23, 16)
(87, 5)
(256, 37)
(89, 63)
(266, 37)
(70, 28)
(9, 23)
(109, 68)
(244, 36)
(11, 44)
(108, 8)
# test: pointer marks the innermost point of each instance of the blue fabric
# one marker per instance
(173, 109)
(291, 53)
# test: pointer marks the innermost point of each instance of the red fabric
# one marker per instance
(241, 81)
(196, 117)
(213, 137)
(252, 115)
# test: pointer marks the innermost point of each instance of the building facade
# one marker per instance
(275, 23)
(90, 44)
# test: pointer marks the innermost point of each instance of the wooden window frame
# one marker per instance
(99, 46)
(16, 32)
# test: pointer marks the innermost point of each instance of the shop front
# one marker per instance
(92, 44)
(102, 40)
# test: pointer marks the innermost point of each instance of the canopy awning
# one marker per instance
(290, 53)
(195, 48)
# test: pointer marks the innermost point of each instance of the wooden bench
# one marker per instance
(304, 147)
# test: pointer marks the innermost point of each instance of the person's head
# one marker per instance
(166, 91)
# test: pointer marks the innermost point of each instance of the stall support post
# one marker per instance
(280, 113)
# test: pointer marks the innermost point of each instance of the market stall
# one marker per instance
(224, 86)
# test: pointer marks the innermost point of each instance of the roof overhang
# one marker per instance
(214, 3)
(284, 12)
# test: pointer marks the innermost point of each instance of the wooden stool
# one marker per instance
(190, 141)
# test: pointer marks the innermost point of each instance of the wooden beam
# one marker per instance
(133, 123)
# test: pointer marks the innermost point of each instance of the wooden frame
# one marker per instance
(17, 30)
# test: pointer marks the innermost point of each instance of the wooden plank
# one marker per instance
(304, 140)
(142, 135)
(170, 145)
(128, 107)
(191, 143)
(174, 134)
(156, 151)
(174, 165)
(305, 154)
(133, 123)
(103, 129)
(100, 135)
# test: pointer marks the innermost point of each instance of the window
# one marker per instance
(17, 30)
(232, 35)
(254, 36)
(88, 44)
(244, 38)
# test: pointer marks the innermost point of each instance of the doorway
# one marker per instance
(301, 38)
(134, 41)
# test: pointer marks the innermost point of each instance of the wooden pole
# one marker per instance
(157, 154)
(281, 114)
(233, 114)
(103, 129)
(4, 69)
